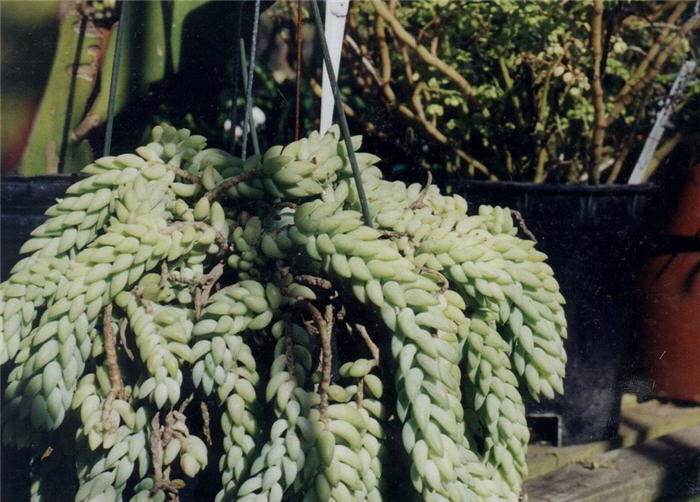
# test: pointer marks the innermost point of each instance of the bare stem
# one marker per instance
(122, 339)
(289, 350)
(326, 354)
(115, 378)
(429, 271)
(156, 453)
(521, 223)
(215, 192)
(313, 280)
(204, 290)
(385, 58)
(186, 175)
(110, 344)
(597, 89)
(373, 349)
(418, 203)
(206, 421)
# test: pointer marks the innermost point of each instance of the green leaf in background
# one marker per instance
(151, 51)
(59, 113)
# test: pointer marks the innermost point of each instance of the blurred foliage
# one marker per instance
(492, 89)
(523, 109)
(28, 32)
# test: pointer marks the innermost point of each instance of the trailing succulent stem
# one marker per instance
(255, 289)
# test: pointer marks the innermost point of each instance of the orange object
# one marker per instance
(671, 306)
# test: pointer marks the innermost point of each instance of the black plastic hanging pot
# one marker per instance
(596, 238)
(22, 205)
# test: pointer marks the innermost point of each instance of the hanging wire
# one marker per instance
(233, 113)
(249, 84)
(297, 107)
(115, 77)
(244, 76)
(71, 93)
(341, 115)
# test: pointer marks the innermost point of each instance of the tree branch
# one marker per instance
(433, 131)
(651, 53)
(405, 37)
(385, 59)
(655, 66)
(597, 89)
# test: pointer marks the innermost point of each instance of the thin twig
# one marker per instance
(360, 393)
(205, 290)
(156, 454)
(445, 283)
(326, 354)
(115, 378)
(405, 37)
(293, 205)
(418, 203)
(391, 234)
(214, 193)
(110, 345)
(330, 319)
(47, 453)
(206, 422)
(597, 89)
(380, 34)
(122, 339)
(147, 305)
(164, 275)
(186, 403)
(175, 424)
(186, 175)
(366, 62)
(313, 280)
(289, 350)
(373, 349)
(521, 223)
(309, 325)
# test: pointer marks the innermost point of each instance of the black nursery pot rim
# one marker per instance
(13, 178)
(35, 191)
(558, 188)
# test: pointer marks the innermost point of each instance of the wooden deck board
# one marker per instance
(638, 423)
(641, 473)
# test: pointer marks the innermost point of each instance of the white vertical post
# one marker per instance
(639, 173)
(336, 12)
